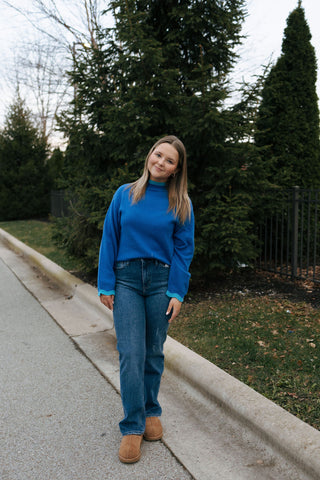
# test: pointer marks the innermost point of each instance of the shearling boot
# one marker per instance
(129, 451)
(153, 429)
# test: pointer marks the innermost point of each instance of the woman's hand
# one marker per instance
(174, 307)
(107, 300)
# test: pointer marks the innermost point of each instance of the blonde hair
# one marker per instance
(177, 185)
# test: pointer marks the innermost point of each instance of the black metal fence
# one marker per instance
(289, 235)
(59, 204)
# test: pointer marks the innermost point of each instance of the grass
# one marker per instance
(264, 338)
(38, 235)
(271, 344)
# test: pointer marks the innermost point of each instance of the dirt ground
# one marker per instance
(255, 283)
(259, 283)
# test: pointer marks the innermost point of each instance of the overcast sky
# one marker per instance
(264, 28)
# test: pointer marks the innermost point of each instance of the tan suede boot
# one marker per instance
(153, 429)
(129, 451)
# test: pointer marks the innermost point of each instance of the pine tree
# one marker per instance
(163, 70)
(288, 123)
(176, 58)
(24, 179)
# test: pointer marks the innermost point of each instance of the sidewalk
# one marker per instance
(217, 427)
(59, 416)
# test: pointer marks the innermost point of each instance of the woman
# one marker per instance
(145, 254)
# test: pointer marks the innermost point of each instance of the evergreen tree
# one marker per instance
(163, 70)
(288, 123)
(24, 180)
(176, 57)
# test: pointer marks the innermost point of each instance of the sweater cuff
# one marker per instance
(174, 295)
(106, 292)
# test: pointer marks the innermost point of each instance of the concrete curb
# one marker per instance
(298, 441)
(72, 285)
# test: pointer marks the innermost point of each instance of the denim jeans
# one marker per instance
(141, 324)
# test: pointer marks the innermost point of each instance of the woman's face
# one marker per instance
(163, 162)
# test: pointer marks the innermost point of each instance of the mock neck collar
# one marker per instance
(157, 184)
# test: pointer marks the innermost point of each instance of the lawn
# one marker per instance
(38, 235)
(266, 341)
(262, 330)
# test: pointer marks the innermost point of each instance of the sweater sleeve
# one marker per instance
(183, 252)
(109, 247)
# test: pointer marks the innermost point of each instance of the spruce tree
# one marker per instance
(163, 70)
(176, 57)
(288, 122)
(24, 179)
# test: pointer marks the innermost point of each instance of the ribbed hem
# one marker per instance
(174, 295)
(106, 292)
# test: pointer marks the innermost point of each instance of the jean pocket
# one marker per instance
(164, 265)
(122, 264)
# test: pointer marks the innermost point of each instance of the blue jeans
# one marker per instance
(141, 324)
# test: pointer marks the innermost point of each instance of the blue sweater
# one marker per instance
(146, 230)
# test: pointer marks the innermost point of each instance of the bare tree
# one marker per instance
(74, 21)
(42, 78)
(40, 65)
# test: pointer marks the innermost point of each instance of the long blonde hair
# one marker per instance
(177, 185)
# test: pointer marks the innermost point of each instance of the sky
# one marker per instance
(264, 29)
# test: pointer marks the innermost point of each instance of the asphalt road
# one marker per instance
(59, 416)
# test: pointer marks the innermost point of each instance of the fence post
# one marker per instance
(295, 231)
